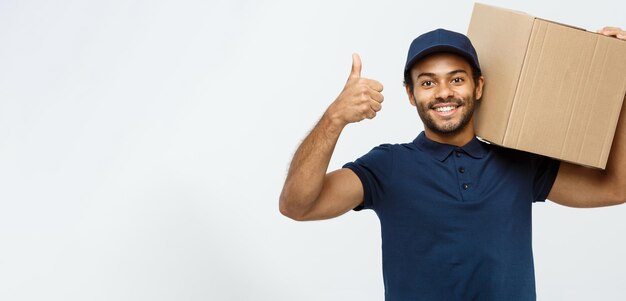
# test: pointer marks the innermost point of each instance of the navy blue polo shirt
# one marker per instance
(455, 221)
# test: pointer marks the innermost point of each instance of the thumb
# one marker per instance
(356, 66)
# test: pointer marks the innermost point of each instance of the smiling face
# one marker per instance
(445, 94)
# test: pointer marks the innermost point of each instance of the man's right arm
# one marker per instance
(311, 194)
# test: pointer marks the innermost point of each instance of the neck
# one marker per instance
(457, 139)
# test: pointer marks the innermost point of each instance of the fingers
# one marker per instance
(361, 98)
(373, 109)
(365, 105)
(355, 73)
(368, 93)
(356, 66)
(375, 106)
(370, 87)
(376, 96)
(613, 32)
(609, 30)
(373, 84)
(371, 115)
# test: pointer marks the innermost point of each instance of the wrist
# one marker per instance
(332, 124)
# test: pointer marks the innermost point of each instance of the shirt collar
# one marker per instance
(475, 148)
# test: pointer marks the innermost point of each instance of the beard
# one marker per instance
(447, 128)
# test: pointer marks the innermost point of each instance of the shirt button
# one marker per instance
(465, 186)
(458, 153)
(461, 169)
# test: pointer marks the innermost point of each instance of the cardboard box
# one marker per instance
(550, 88)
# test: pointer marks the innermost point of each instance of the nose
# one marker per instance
(444, 91)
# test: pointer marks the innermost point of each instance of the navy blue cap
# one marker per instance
(441, 40)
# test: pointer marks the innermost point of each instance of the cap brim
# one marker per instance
(436, 49)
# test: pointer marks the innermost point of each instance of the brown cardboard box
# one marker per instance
(550, 88)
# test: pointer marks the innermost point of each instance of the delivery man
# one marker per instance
(455, 212)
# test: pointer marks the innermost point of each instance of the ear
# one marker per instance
(411, 97)
(479, 87)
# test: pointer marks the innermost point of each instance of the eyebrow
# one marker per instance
(430, 74)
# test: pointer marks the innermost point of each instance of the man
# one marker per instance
(455, 212)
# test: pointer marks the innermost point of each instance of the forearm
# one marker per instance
(616, 165)
(308, 168)
(615, 172)
(361, 98)
(578, 186)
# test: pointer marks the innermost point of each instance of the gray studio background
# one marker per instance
(143, 146)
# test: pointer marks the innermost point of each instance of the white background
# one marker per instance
(143, 146)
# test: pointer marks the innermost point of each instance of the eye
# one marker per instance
(458, 80)
(427, 83)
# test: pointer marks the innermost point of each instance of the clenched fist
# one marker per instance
(361, 98)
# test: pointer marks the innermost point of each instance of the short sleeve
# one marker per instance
(374, 169)
(545, 170)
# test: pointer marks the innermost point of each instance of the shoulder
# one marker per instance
(522, 159)
(383, 157)
(509, 153)
(380, 154)
(388, 149)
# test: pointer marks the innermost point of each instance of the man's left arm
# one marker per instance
(578, 186)
(584, 187)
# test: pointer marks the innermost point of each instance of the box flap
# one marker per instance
(506, 48)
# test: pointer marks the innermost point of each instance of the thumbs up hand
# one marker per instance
(361, 98)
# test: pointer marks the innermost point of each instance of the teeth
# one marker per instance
(444, 109)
